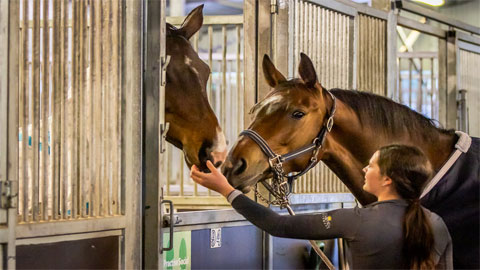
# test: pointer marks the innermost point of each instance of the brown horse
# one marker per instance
(194, 127)
(294, 112)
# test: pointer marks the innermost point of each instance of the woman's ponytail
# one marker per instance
(409, 170)
(418, 243)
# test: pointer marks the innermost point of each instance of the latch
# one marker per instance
(7, 198)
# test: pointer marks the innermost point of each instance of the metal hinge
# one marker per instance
(273, 7)
(164, 61)
(163, 136)
(7, 197)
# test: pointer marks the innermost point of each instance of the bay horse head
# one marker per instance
(288, 118)
(194, 127)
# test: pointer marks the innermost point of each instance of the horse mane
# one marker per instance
(388, 116)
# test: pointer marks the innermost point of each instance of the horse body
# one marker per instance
(194, 127)
(292, 114)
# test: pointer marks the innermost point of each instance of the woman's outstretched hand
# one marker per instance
(215, 180)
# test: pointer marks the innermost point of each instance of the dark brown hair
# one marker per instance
(410, 170)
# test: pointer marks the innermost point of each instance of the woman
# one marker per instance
(394, 232)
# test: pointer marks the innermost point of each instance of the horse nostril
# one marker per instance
(240, 167)
(217, 164)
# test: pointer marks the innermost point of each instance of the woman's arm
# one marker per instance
(326, 225)
(338, 223)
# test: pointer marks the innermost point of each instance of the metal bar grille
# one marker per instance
(371, 65)
(70, 90)
(324, 35)
(418, 82)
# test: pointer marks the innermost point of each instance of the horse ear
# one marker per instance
(307, 71)
(192, 22)
(272, 75)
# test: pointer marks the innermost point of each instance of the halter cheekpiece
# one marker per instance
(282, 183)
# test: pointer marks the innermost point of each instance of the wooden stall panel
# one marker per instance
(70, 117)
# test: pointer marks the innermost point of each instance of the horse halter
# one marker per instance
(279, 189)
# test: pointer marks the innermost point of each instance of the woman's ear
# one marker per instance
(387, 181)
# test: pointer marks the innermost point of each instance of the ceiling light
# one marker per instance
(435, 3)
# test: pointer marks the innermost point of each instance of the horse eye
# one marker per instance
(298, 114)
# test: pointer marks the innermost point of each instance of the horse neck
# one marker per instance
(351, 143)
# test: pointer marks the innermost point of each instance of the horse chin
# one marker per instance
(248, 183)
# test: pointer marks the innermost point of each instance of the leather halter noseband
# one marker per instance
(276, 161)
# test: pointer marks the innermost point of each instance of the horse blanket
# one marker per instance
(456, 198)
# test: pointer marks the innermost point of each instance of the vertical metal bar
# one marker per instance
(108, 113)
(310, 30)
(323, 59)
(169, 168)
(36, 107)
(383, 58)
(65, 147)
(351, 47)
(115, 111)
(131, 60)
(361, 54)
(297, 38)
(12, 168)
(210, 63)
(76, 88)
(56, 113)
(92, 116)
(319, 40)
(24, 112)
(120, 119)
(223, 93)
(313, 37)
(410, 84)
(81, 210)
(182, 176)
(239, 102)
(330, 47)
(432, 89)
(400, 88)
(392, 55)
(44, 107)
(97, 25)
(375, 72)
(104, 175)
(420, 88)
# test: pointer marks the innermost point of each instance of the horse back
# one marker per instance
(456, 199)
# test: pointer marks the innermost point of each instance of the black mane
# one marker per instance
(388, 116)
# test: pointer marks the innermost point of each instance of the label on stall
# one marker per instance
(215, 238)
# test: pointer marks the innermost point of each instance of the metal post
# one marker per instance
(132, 134)
(153, 117)
(9, 84)
(462, 111)
(392, 91)
(451, 93)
